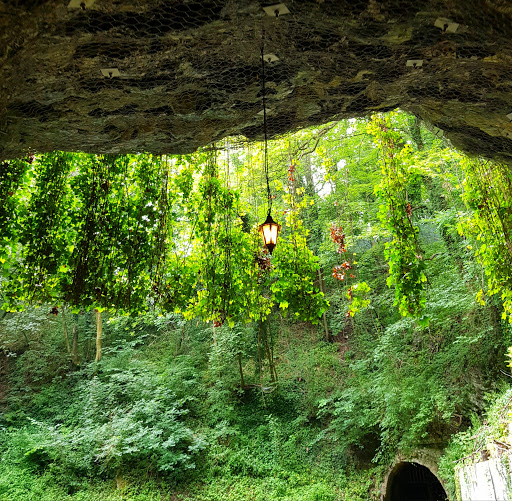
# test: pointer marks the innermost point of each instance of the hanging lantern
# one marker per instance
(269, 231)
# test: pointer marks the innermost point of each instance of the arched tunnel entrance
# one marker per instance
(413, 482)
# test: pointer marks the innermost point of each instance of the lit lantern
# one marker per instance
(269, 231)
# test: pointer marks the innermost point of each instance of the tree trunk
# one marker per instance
(269, 351)
(324, 317)
(242, 382)
(179, 341)
(259, 348)
(273, 366)
(74, 347)
(311, 213)
(98, 335)
(65, 330)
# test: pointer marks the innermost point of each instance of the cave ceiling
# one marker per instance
(183, 74)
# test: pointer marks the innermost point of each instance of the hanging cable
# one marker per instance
(269, 229)
(265, 134)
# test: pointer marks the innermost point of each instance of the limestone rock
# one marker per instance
(190, 71)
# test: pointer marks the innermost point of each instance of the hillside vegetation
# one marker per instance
(152, 349)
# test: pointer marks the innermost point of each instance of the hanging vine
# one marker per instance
(403, 253)
(296, 266)
(15, 175)
(132, 232)
(488, 193)
(90, 280)
(41, 234)
(180, 274)
(162, 237)
(227, 273)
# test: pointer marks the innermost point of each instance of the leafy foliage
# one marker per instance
(129, 233)
(488, 193)
(406, 266)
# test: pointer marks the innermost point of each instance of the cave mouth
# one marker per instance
(413, 482)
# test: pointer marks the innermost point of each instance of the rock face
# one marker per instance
(190, 71)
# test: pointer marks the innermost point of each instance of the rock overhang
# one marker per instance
(189, 72)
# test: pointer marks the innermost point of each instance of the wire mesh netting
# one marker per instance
(169, 76)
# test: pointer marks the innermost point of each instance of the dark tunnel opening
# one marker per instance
(414, 482)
